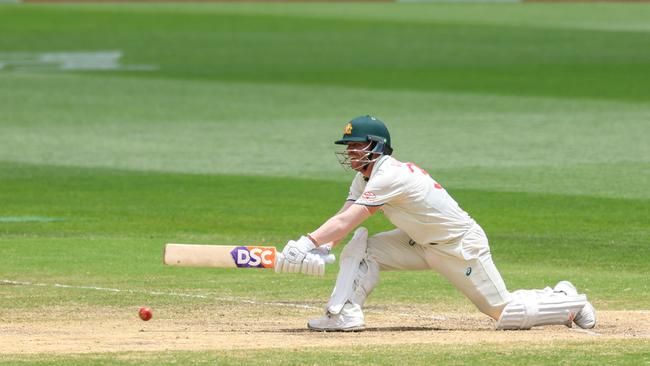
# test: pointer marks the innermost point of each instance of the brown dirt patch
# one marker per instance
(227, 327)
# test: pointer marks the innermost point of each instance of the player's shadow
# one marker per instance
(406, 329)
(369, 329)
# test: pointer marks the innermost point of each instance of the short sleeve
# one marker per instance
(356, 188)
(381, 189)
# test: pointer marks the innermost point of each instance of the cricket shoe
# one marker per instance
(586, 318)
(350, 319)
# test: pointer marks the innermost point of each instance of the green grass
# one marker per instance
(615, 352)
(114, 219)
(368, 50)
(534, 116)
(467, 141)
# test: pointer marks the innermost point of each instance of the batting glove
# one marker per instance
(296, 251)
(314, 263)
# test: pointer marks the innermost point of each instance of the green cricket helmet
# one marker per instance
(365, 129)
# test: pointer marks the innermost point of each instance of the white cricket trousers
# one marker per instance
(467, 264)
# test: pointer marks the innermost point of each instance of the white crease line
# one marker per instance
(585, 331)
(157, 293)
(199, 296)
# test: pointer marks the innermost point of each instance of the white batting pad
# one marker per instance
(530, 308)
(351, 256)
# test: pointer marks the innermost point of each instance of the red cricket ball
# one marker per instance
(145, 313)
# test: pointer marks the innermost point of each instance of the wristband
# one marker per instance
(312, 240)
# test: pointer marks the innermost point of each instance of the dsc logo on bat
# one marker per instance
(260, 257)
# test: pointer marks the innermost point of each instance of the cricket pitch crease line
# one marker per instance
(199, 296)
(585, 331)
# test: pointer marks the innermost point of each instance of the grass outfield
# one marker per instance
(111, 220)
(534, 116)
(630, 353)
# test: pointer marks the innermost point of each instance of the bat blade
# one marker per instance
(219, 256)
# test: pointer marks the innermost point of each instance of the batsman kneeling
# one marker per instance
(432, 232)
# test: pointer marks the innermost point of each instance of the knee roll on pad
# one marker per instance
(530, 308)
(356, 247)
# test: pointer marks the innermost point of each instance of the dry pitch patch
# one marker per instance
(70, 329)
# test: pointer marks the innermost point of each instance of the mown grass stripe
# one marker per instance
(29, 219)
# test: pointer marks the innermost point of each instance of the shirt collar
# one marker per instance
(378, 163)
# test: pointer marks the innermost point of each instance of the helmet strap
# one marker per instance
(365, 167)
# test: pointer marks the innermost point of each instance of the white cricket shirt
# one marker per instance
(412, 201)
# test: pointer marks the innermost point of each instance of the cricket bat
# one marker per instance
(219, 256)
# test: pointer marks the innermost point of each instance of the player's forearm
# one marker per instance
(345, 206)
(333, 230)
(337, 227)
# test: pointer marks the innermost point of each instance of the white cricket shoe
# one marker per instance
(586, 318)
(348, 320)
